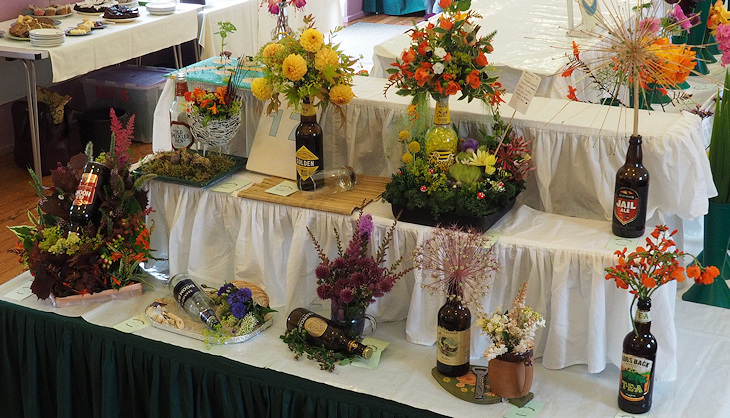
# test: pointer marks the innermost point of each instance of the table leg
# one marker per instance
(32, 95)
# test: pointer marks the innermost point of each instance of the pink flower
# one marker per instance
(723, 43)
(298, 3)
(680, 18)
(650, 25)
(273, 7)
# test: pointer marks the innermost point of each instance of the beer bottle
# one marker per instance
(195, 302)
(310, 148)
(180, 134)
(84, 209)
(637, 364)
(631, 193)
(453, 336)
(321, 332)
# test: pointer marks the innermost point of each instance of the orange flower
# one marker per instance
(571, 93)
(408, 56)
(575, 50)
(693, 271)
(447, 57)
(452, 88)
(473, 79)
(647, 281)
(446, 24)
(422, 76)
(445, 4)
(481, 60)
(422, 47)
(568, 72)
(708, 276)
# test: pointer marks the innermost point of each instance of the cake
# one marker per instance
(24, 24)
(121, 12)
(93, 6)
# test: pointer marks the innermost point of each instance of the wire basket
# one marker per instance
(217, 132)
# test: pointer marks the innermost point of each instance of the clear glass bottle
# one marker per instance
(637, 363)
(631, 193)
(441, 139)
(195, 302)
(180, 134)
(333, 181)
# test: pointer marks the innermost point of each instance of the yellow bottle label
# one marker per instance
(308, 109)
(635, 377)
(307, 163)
(453, 346)
(441, 115)
(315, 326)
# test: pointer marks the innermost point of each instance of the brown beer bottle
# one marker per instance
(453, 336)
(637, 364)
(321, 332)
(631, 193)
(84, 209)
(309, 146)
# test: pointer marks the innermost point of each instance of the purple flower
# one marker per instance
(322, 271)
(650, 25)
(358, 279)
(365, 225)
(324, 291)
(226, 288)
(237, 301)
(339, 263)
(468, 145)
(273, 7)
(346, 295)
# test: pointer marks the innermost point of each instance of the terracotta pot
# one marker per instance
(510, 375)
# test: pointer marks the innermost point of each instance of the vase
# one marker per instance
(441, 139)
(510, 375)
(309, 147)
(128, 291)
(351, 319)
(216, 133)
(282, 29)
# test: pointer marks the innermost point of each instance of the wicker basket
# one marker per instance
(217, 132)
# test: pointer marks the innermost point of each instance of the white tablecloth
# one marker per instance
(117, 43)
(254, 24)
(404, 373)
(220, 237)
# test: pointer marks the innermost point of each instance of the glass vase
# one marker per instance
(282, 29)
(352, 319)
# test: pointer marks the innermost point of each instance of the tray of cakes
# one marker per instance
(57, 11)
(20, 29)
(93, 7)
(121, 14)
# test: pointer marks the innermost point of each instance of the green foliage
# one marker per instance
(297, 342)
(224, 28)
(720, 146)
(189, 166)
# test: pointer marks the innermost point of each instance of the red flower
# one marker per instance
(422, 47)
(445, 4)
(424, 188)
(571, 93)
(481, 195)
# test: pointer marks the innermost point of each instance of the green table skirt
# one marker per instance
(55, 366)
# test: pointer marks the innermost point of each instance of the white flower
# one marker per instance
(438, 68)
(467, 27)
(439, 52)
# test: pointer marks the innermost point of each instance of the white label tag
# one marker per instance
(524, 92)
(133, 324)
(285, 188)
(21, 292)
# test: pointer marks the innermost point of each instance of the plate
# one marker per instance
(99, 24)
(240, 163)
(123, 20)
(96, 14)
(68, 33)
(62, 16)
(55, 23)
(11, 36)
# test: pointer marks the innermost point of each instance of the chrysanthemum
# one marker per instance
(261, 88)
(311, 40)
(483, 159)
(271, 51)
(294, 67)
(324, 57)
(341, 94)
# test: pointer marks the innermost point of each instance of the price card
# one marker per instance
(21, 292)
(619, 243)
(532, 409)
(378, 347)
(285, 188)
(622, 414)
(493, 237)
(234, 184)
(133, 324)
(524, 92)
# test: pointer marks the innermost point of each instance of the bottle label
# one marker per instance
(315, 326)
(86, 190)
(308, 109)
(642, 317)
(443, 159)
(184, 290)
(307, 163)
(635, 377)
(181, 88)
(441, 115)
(181, 135)
(453, 346)
(627, 202)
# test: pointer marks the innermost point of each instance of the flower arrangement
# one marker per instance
(512, 331)
(459, 263)
(354, 279)
(447, 58)
(101, 256)
(238, 310)
(274, 6)
(486, 176)
(304, 67)
(649, 267)
(718, 24)
(213, 105)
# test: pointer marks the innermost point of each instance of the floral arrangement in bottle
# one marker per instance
(512, 331)
(239, 310)
(447, 58)
(99, 256)
(304, 67)
(651, 266)
(274, 6)
(213, 105)
(459, 263)
(355, 278)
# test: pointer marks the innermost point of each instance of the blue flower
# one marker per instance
(238, 302)
(226, 288)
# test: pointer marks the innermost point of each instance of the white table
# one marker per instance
(79, 55)
(404, 374)
(221, 237)
(254, 24)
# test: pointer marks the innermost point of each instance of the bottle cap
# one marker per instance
(367, 352)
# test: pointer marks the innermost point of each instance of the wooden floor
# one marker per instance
(18, 195)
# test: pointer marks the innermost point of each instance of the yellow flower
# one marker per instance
(311, 40)
(404, 136)
(325, 56)
(271, 51)
(341, 94)
(414, 147)
(407, 158)
(483, 158)
(261, 88)
(294, 67)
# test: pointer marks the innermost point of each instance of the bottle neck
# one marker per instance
(454, 292)
(441, 115)
(642, 319)
(181, 87)
(308, 114)
(633, 154)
